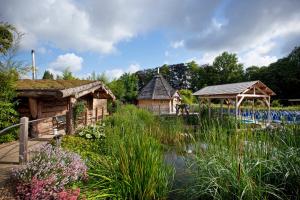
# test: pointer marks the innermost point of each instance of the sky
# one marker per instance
(118, 36)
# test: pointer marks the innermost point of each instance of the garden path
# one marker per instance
(9, 155)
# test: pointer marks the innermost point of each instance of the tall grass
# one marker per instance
(262, 164)
(130, 164)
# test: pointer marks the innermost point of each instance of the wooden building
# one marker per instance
(159, 96)
(236, 92)
(45, 99)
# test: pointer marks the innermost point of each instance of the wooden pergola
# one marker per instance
(236, 92)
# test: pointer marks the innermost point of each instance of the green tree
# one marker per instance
(48, 75)
(252, 73)
(6, 37)
(8, 78)
(125, 88)
(68, 75)
(228, 68)
(187, 96)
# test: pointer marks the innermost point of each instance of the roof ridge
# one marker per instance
(163, 83)
(232, 83)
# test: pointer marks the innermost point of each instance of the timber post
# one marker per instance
(86, 117)
(96, 113)
(102, 112)
(69, 123)
(23, 150)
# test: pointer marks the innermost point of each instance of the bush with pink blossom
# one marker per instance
(48, 174)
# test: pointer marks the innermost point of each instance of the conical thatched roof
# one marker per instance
(157, 88)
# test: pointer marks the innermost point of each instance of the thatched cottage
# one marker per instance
(159, 96)
(48, 99)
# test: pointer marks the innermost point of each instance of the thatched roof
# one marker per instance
(232, 89)
(157, 88)
(61, 88)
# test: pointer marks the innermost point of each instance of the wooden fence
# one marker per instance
(24, 130)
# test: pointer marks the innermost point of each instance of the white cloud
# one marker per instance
(177, 44)
(68, 61)
(117, 72)
(133, 68)
(114, 73)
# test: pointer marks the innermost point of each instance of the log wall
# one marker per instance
(156, 106)
(48, 108)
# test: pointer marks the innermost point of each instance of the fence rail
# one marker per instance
(24, 129)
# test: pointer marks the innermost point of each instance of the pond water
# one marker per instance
(180, 158)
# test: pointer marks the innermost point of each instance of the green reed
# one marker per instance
(246, 164)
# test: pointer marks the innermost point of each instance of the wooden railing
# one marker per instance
(24, 130)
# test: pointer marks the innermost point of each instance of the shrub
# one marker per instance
(92, 131)
(48, 173)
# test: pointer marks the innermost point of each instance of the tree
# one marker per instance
(48, 75)
(252, 73)
(67, 75)
(125, 88)
(8, 78)
(6, 37)
(228, 68)
(187, 96)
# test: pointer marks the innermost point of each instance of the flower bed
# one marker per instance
(48, 175)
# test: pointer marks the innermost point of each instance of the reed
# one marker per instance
(248, 164)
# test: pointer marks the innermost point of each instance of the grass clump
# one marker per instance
(263, 164)
(128, 163)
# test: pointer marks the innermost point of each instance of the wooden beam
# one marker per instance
(252, 95)
(219, 97)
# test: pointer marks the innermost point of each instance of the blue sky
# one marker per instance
(117, 36)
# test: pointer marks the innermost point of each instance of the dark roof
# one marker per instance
(157, 88)
(232, 89)
(60, 88)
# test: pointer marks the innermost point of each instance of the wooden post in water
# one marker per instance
(23, 149)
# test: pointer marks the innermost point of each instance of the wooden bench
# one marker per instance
(59, 122)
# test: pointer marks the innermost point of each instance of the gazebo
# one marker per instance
(236, 92)
(159, 96)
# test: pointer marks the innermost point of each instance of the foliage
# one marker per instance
(281, 76)
(6, 37)
(228, 68)
(8, 114)
(78, 109)
(92, 131)
(67, 75)
(128, 163)
(276, 103)
(125, 88)
(99, 77)
(187, 96)
(48, 173)
(48, 75)
(262, 164)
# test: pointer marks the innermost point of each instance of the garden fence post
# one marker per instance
(23, 149)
